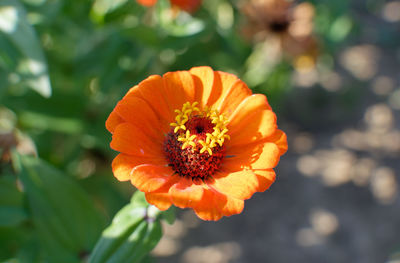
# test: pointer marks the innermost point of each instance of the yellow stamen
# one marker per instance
(188, 140)
(206, 147)
(218, 136)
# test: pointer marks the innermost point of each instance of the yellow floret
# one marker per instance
(218, 136)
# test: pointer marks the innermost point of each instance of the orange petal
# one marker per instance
(253, 103)
(265, 179)
(211, 205)
(179, 88)
(131, 140)
(185, 193)
(113, 121)
(233, 97)
(123, 164)
(279, 138)
(204, 80)
(233, 206)
(134, 91)
(255, 127)
(160, 200)
(259, 156)
(241, 185)
(150, 178)
(147, 2)
(152, 91)
(137, 112)
(222, 83)
(268, 158)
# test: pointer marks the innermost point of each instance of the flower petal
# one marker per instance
(279, 138)
(152, 91)
(233, 97)
(185, 193)
(255, 127)
(160, 200)
(233, 206)
(149, 178)
(131, 140)
(179, 88)
(268, 158)
(123, 165)
(204, 80)
(211, 205)
(241, 185)
(222, 83)
(253, 103)
(147, 3)
(134, 91)
(265, 179)
(138, 112)
(113, 121)
(259, 156)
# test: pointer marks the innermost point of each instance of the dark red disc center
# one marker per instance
(189, 162)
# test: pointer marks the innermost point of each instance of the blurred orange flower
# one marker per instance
(187, 5)
(291, 24)
(196, 139)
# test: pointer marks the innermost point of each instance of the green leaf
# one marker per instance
(11, 260)
(30, 251)
(64, 216)
(139, 200)
(103, 7)
(32, 65)
(35, 120)
(11, 216)
(133, 233)
(12, 211)
(10, 195)
(139, 244)
(12, 239)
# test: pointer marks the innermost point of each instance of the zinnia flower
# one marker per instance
(196, 139)
(290, 24)
(187, 5)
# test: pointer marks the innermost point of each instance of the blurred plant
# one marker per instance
(287, 35)
(22, 62)
(12, 138)
(283, 30)
(283, 22)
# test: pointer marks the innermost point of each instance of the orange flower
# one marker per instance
(187, 5)
(196, 139)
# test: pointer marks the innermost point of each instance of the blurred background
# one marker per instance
(330, 69)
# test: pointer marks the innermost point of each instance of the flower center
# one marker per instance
(194, 146)
(279, 26)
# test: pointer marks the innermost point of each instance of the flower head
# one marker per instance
(291, 24)
(196, 139)
(187, 5)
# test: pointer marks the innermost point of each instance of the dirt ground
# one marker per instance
(336, 198)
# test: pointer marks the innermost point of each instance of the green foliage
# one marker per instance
(134, 231)
(12, 211)
(65, 218)
(20, 51)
